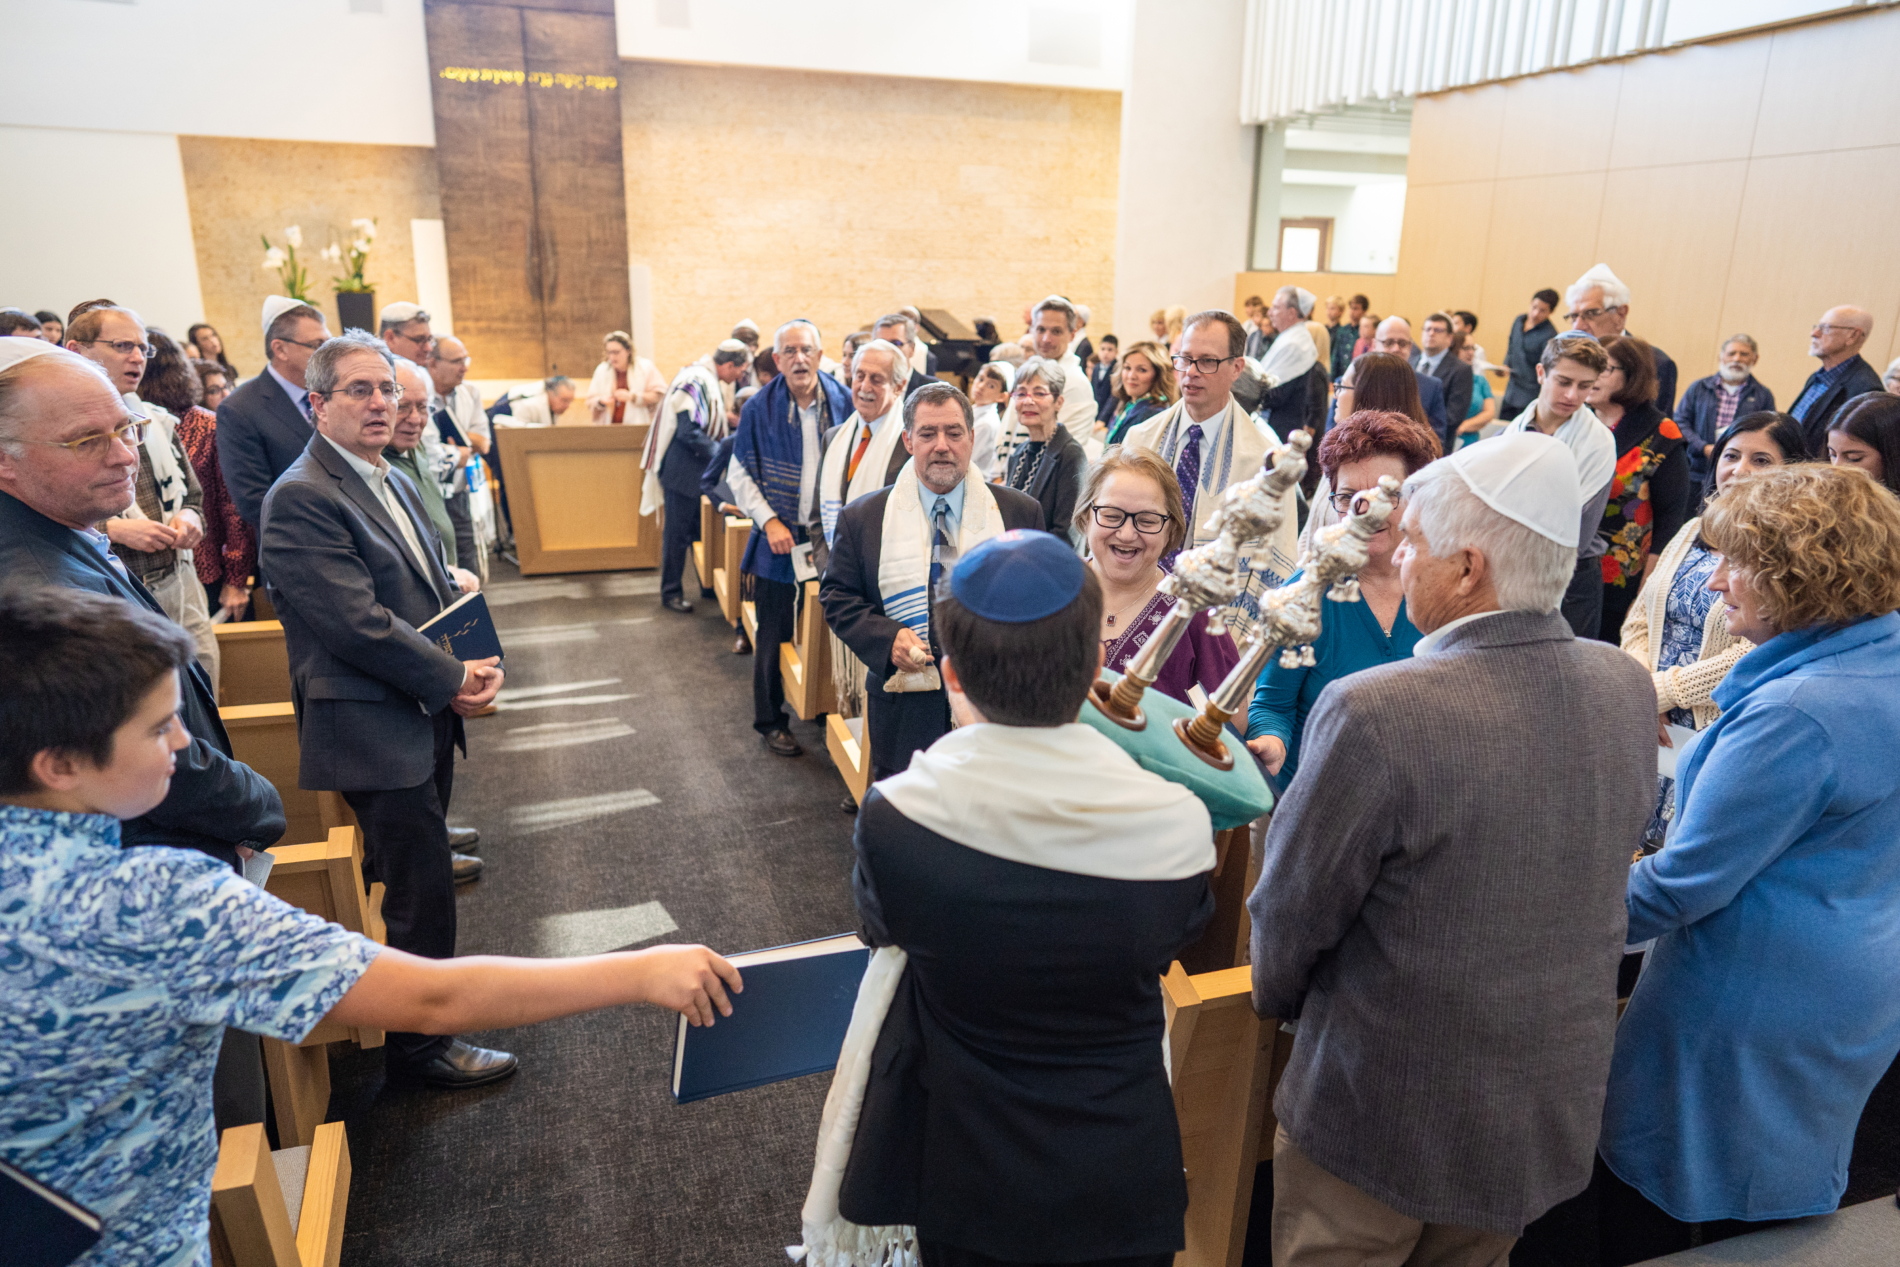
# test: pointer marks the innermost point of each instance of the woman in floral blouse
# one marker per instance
(1649, 495)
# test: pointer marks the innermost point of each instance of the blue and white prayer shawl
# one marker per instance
(770, 447)
(903, 567)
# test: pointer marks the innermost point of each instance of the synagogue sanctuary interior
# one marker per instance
(955, 633)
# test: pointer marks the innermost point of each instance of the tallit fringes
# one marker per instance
(846, 1244)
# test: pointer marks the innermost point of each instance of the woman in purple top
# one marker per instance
(1129, 517)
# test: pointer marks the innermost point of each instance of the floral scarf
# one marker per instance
(1643, 441)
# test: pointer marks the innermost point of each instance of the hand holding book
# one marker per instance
(479, 686)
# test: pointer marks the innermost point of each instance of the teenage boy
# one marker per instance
(121, 968)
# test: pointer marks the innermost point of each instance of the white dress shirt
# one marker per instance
(746, 494)
(377, 477)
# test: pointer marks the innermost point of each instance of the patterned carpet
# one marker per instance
(623, 798)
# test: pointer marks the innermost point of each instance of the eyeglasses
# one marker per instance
(1588, 314)
(361, 390)
(1147, 522)
(795, 352)
(425, 339)
(463, 361)
(299, 342)
(1204, 364)
(1822, 325)
(95, 446)
(1034, 393)
(1342, 500)
(124, 347)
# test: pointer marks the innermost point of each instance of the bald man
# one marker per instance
(1836, 341)
(1394, 336)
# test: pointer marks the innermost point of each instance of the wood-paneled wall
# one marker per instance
(533, 200)
(1744, 186)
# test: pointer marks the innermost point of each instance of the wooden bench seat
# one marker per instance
(283, 1208)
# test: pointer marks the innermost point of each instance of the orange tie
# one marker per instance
(857, 455)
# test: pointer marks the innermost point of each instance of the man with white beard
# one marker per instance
(1712, 403)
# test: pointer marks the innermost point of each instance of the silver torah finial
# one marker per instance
(1208, 576)
(1289, 617)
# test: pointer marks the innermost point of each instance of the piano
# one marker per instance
(958, 349)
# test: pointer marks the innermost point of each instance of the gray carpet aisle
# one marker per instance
(620, 792)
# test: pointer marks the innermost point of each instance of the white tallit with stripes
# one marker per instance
(903, 570)
(834, 492)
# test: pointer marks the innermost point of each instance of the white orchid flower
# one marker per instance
(274, 259)
(294, 235)
(367, 227)
(360, 246)
(333, 253)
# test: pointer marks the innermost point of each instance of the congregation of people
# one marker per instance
(1660, 993)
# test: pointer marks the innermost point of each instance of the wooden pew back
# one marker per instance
(260, 1220)
(255, 665)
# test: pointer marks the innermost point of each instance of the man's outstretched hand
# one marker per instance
(690, 980)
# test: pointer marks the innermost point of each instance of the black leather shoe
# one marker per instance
(742, 645)
(780, 743)
(679, 605)
(464, 839)
(465, 867)
(464, 1065)
(849, 804)
(706, 593)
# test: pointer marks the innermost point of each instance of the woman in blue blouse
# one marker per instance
(1770, 1007)
(1353, 636)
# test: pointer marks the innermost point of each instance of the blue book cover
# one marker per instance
(464, 629)
(43, 1228)
(790, 1021)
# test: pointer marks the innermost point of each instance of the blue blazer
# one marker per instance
(351, 595)
(1431, 395)
(260, 433)
(216, 802)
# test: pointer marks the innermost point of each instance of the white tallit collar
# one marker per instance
(835, 492)
(1064, 798)
(1292, 354)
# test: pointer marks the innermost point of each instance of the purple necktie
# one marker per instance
(1187, 469)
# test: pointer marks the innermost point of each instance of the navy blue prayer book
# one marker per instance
(43, 1228)
(790, 1021)
(464, 629)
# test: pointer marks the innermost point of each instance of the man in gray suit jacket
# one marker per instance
(1441, 900)
(264, 425)
(354, 566)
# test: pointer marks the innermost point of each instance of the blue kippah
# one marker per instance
(1018, 577)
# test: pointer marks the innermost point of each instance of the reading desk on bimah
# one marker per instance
(574, 494)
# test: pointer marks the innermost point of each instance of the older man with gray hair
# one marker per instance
(1711, 404)
(900, 330)
(1599, 305)
(861, 454)
(1449, 947)
(1836, 341)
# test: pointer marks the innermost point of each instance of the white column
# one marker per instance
(1186, 184)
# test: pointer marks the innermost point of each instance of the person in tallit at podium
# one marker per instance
(1448, 939)
(688, 428)
(1002, 1095)
(1211, 443)
(862, 454)
(1286, 371)
(890, 550)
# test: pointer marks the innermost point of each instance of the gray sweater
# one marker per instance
(1441, 904)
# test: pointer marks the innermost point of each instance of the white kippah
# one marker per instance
(1008, 371)
(733, 345)
(397, 314)
(1306, 299)
(1528, 477)
(14, 350)
(746, 323)
(276, 306)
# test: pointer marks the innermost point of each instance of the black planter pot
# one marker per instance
(356, 310)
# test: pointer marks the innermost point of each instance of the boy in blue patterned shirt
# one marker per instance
(121, 968)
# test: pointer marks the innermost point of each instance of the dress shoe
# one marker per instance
(463, 1065)
(679, 605)
(849, 804)
(465, 867)
(780, 743)
(742, 645)
(706, 593)
(464, 839)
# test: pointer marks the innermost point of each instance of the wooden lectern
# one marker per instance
(574, 495)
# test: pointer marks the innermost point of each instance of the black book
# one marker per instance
(43, 1228)
(790, 1021)
(464, 629)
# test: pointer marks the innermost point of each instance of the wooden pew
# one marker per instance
(264, 737)
(1224, 942)
(709, 552)
(326, 879)
(845, 741)
(1225, 1063)
(805, 662)
(725, 580)
(281, 1209)
(255, 667)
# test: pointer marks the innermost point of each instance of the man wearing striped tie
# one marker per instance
(888, 552)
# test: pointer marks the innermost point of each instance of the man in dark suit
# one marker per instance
(264, 425)
(955, 510)
(1102, 378)
(878, 374)
(1436, 359)
(1836, 341)
(1395, 337)
(696, 402)
(65, 465)
(354, 566)
(1599, 305)
(896, 327)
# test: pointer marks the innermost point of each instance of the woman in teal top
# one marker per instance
(1352, 636)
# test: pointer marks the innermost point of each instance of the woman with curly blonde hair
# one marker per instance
(1769, 1007)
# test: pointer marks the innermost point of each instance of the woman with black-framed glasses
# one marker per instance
(1131, 518)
